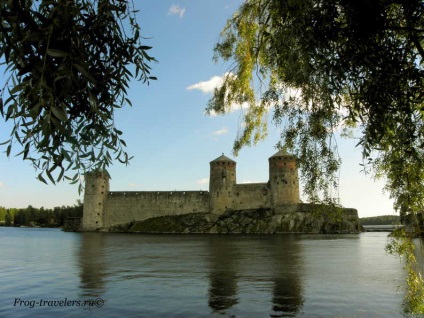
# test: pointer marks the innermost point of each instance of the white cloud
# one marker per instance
(2, 184)
(222, 131)
(175, 9)
(203, 181)
(209, 85)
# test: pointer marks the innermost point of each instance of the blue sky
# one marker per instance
(166, 131)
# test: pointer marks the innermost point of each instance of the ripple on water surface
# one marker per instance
(199, 275)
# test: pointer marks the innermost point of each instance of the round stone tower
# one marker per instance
(283, 179)
(96, 191)
(221, 184)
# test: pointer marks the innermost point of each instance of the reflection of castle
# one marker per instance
(273, 267)
(92, 264)
(103, 209)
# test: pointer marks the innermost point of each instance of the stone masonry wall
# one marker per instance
(123, 207)
(250, 196)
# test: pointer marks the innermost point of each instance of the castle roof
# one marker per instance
(223, 158)
(281, 153)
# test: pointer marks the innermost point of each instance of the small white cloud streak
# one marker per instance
(209, 86)
(222, 131)
(203, 181)
(250, 181)
(175, 9)
(2, 184)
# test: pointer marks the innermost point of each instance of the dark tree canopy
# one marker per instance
(324, 64)
(69, 63)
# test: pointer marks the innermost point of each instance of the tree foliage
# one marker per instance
(55, 217)
(381, 220)
(69, 63)
(321, 65)
(401, 244)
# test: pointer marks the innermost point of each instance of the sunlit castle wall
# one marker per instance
(222, 180)
(283, 179)
(251, 196)
(124, 207)
(96, 193)
(103, 209)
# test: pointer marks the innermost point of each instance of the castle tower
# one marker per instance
(96, 191)
(221, 184)
(283, 179)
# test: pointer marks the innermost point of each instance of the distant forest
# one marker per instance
(42, 217)
(381, 220)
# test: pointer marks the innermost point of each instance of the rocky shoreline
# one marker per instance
(302, 218)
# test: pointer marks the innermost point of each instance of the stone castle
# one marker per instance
(104, 209)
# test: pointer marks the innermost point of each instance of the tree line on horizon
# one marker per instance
(381, 220)
(31, 216)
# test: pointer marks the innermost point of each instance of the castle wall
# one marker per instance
(103, 209)
(96, 191)
(250, 196)
(283, 179)
(221, 183)
(123, 207)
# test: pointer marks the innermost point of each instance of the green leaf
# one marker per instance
(40, 177)
(56, 53)
(48, 172)
(59, 113)
(84, 72)
(9, 148)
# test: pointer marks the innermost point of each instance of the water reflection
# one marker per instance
(287, 291)
(222, 274)
(159, 276)
(92, 264)
(273, 261)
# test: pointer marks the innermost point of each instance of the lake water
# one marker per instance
(50, 273)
